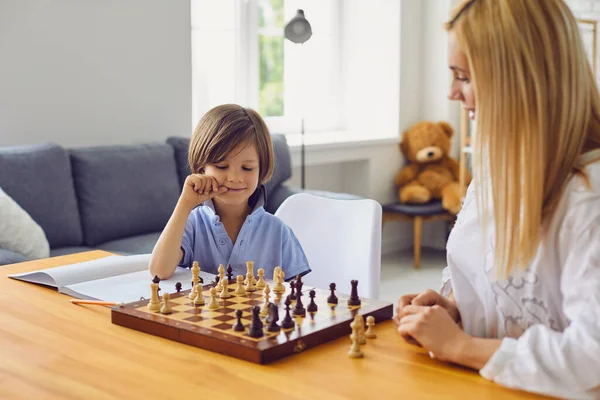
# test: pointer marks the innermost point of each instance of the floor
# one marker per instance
(398, 276)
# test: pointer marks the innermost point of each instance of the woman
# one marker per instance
(521, 295)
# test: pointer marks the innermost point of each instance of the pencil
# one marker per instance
(95, 302)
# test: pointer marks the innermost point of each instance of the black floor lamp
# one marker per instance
(298, 30)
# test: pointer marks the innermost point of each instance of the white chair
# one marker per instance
(341, 239)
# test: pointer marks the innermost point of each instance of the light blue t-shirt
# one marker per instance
(264, 239)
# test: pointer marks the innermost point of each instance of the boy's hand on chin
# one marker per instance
(199, 188)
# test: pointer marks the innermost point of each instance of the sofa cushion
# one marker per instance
(38, 178)
(180, 146)
(10, 257)
(124, 190)
(19, 232)
(140, 244)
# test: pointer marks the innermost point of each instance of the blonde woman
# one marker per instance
(521, 295)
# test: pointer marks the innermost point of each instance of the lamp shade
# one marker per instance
(298, 30)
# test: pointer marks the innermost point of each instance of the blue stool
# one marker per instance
(417, 213)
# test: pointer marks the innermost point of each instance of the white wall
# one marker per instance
(88, 72)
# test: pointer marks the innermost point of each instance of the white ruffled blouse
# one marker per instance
(548, 315)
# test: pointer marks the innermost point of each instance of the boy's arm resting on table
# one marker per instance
(565, 364)
(169, 249)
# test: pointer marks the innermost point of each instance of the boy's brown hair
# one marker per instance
(221, 130)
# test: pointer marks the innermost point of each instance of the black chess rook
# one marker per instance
(354, 300)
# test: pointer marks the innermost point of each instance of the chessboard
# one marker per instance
(214, 329)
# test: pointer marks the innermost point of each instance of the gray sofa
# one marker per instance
(114, 198)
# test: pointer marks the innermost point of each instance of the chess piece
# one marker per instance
(260, 284)
(225, 290)
(332, 299)
(273, 318)
(312, 307)
(199, 299)
(239, 290)
(213, 303)
(278, 278)
(293, 294)
(265, 308)
(195, 279)
(178, 287)
(250, 270)
(299, 310)
(239, 327)
(249, 285)
(360, 329)
(355, 351)
(370, 333)
(288, 321)
(166, 308)
(221, 276)
(256, 326)
(154, 304)
(354, 300)
(229, 272)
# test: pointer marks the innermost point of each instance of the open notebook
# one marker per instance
(115, 278)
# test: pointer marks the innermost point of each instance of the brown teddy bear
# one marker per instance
(430, 173)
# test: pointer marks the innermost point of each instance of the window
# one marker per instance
(240, 55)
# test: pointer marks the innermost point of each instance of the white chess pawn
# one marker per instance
(249, 285)
(199, 299)
(213, 303)
(370, 333)
(265, 308)
(239, 290)
(166, 308)
(260, 284)
(225, 290)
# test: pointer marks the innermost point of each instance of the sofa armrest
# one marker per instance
(282, 192)
(9, 257)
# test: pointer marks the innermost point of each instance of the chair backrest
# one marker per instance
(341, 239)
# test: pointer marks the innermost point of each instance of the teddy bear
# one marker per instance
(430, 173)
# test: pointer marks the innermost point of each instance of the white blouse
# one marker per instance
(547, 315)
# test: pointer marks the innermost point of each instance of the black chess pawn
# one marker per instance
(229, 273)
(288, 321)
(178, 287)
(354, 300)
(293, 294)
(256, 326)
(272, 318)
(239, 327)
(312, 307)
(332, 299)
(299, 310)
(156, 279)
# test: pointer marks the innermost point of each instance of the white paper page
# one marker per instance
(86, 271)
(131, 287)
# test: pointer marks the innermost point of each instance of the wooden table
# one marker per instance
(52, 349)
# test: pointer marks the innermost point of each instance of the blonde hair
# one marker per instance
(538, 110)
(224, 128)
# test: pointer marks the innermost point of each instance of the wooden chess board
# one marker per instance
(213, 329)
